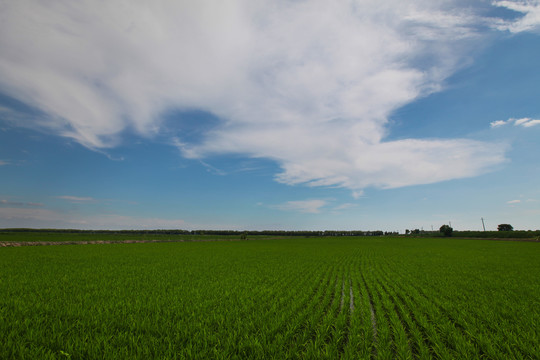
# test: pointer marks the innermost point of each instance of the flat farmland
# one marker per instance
(309, 298)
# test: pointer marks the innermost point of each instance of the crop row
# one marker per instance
(352, 298)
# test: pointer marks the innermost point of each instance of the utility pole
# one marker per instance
(484, 226)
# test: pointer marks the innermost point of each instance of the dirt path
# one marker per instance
(93, 242)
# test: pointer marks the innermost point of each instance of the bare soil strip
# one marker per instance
(351, 305)
(373, 320)
(342, 296)
(93, 242)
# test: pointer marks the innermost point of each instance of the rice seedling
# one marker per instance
(340, 297)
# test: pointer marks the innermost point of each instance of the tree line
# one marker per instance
(306, 233)
(505, 231)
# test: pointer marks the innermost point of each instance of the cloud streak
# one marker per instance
(523, 122)
(345, 206)
(48, 218)
(303, 206)
(5, 202)
(77, 199)
(308, 84)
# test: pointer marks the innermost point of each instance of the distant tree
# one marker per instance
(446, 230)
(407, 231)
(505, 227)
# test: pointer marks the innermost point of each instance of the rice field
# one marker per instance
(308, 298)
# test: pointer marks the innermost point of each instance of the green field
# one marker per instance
(312, 298)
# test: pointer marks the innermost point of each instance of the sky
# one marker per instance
(266, 115)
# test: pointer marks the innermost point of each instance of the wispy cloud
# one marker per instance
(303, 206)
(357, 194)
(47, 218)
(345, 206)
(530, 21)
(524, 122)
(309, 84)
(3, 162)
(78, 199)
(213, 169)
(513, 202)
(5, 202)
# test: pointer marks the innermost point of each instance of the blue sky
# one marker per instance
(364, 115)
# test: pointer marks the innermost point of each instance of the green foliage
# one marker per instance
(446, 230)
(505, 227)
(330, 297)
(516, 234)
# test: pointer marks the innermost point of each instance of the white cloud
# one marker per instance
(529, 22)
(521, 121)
(497, 123)
(530, 123)
(308, 84)
(303, 206)
(524, 122)
(342, 160)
